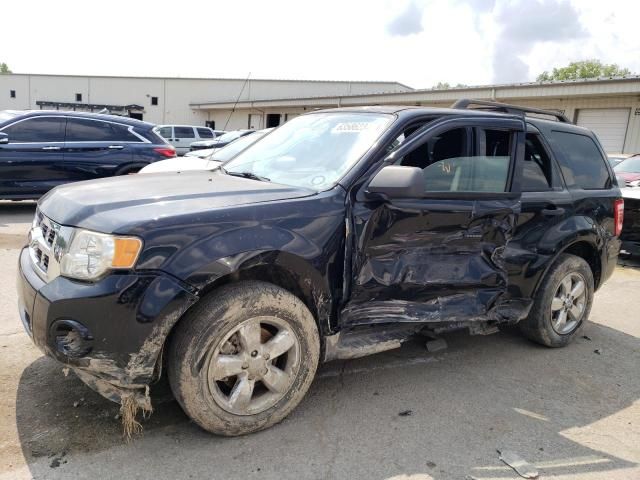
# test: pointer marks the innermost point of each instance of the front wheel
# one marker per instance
(244, 358)
(562, 303)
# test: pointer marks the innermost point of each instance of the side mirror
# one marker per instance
(4, 138)
(396, 181)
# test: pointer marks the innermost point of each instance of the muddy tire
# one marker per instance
(562, 304)
(243, 358)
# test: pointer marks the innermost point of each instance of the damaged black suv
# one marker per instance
(340, 234)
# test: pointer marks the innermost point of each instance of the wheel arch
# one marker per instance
(584, 247)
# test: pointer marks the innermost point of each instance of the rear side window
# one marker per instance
(165, 132)
(536, 172)
(205, 133)
(582, 164)
(37, 130)
(183, 132)
(85, 130)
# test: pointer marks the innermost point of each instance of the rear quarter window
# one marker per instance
(205, 133)
(581, 161)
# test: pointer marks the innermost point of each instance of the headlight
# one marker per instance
(92, 254)
(635, 183)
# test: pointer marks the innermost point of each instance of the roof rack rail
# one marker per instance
(465, 103)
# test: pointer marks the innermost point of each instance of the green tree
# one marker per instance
(583, 69)
(4, 68)
(447, 86)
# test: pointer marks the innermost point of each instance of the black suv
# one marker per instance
(42, 149)
(340, 234)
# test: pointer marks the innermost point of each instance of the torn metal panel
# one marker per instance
(433, 261)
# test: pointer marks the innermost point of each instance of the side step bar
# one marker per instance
(363, 342)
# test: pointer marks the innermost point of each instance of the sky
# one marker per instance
(415, 42)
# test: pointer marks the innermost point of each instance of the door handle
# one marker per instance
(116, 147)
(553, 212)
(51, 148)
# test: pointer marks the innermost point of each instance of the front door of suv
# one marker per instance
(438, 257)
(31, 163)
(96, 148)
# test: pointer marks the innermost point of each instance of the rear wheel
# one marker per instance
(243, 358)
(562, 304)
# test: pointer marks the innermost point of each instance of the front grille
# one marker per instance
(44, 238)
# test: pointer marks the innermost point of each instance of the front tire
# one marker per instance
(562, 303)
(243, 358)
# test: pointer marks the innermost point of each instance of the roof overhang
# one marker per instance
(577, 88)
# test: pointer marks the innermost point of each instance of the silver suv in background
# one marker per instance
(181, 136)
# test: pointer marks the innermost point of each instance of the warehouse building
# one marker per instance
(164, 100)
(609, 106)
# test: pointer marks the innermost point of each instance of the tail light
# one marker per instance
(618, 216)
(168, 152)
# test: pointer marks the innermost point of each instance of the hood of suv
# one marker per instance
(118, 204)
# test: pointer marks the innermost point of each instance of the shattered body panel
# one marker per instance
(128, 318)
(433, 261)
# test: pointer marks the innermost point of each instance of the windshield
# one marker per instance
(227, 137)
(231, 150)
(312, 151)
(629, 165)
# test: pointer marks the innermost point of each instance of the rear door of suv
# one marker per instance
(183, 137)
(546, 207)
(95, 148)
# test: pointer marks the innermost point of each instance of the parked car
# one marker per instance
(631, 228)
(629, 171)
(341, 234)
(207, 152)
(181, 136)
(215, 157)
(220, 141)
(42, 149)
(616, 158)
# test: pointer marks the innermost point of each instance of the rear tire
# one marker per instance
(562, 304)
(243, 358)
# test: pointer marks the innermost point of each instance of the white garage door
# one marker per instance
(610, 125)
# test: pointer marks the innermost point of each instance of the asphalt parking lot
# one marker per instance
(574, 413)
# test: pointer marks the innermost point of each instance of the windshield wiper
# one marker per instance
(250, 175)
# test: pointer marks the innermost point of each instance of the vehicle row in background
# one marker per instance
(40, 150)
(206, 159)
(182, 136)
(628, 170)
(221, 141)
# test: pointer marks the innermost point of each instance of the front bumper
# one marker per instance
(111, 331)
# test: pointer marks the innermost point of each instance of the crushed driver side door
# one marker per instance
(437, 258)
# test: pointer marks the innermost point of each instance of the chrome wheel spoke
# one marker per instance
(241, 394)
(279, 344)
(566, 284)
(578, 289)
(276, 380)
(575, 312)
(227, 366)
(250, 336)
(556, 304)
(561, 321)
